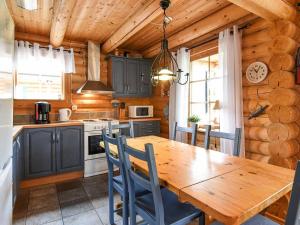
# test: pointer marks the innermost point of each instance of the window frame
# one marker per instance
(206, 80)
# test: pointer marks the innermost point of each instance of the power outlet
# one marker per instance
(74, 107)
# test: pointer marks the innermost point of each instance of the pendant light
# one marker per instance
(165, 66)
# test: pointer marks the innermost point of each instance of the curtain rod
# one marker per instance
(57, 49)
(215, 37)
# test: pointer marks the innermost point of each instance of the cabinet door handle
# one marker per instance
(53, 137)
(57, 137)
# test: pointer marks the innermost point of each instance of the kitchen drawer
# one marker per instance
(145, 128)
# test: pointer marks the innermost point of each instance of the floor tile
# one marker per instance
(86, 218)
(57, 222)
(103, 213)
(101, 201)
(65, 186)
(42, 216)
(75, 207)
(94, 190)
(71, 195)
(42, 191)
(36, 203)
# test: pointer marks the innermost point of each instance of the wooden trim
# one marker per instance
(51, 179)
(204, 50)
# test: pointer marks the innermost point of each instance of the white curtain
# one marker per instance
(35, 60)
(179, 95)
(231, 114)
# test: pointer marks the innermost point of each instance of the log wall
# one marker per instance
(274, 136)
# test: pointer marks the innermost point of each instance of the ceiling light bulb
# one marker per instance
(27, 4)
(165, 71)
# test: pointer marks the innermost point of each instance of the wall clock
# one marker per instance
(256, 72)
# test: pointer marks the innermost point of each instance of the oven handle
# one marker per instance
(91, 133)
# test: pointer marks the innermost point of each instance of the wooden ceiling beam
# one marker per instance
(269, 10)
(219, 19)
(62, 15)
(134, 24)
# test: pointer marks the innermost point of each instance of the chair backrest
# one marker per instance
(236, 137)
(293, 215)
(134, 178)
(111, 159)
(121, 127)
(192, 130)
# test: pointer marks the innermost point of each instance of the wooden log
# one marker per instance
(258, 25)
(287, 28)
(256, 38)
(258, 157)
(284, 149)
(253, 105)
(283, 114)
(214, 21)
(259, 147)
(283, 96)
(257, 122)
(254, 52)
(257, 92)
(281, 79)
(246, 83)
(256, 133)
(283, 44)
(282, 132)
(62, 15)
(269, 11)
(282, 61)
(289, 163)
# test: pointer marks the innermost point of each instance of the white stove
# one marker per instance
(94, 155)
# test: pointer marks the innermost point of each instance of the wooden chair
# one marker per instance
(236, 137)
(293, 215)
(160, 206)
(121, 127)
(192, 130)
(118, 183)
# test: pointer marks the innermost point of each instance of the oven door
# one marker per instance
(92, 148)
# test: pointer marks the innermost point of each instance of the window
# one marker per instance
(40, 71)
(205, 89)
(39, 86)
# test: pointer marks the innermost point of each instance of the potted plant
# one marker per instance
(193, 119)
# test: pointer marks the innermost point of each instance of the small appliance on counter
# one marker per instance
(42, 110)
(64, 114)
(140, 111)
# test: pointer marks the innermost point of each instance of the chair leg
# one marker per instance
(202, 219)
(111, 203)
(125, 211)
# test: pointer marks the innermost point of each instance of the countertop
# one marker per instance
(18, 128)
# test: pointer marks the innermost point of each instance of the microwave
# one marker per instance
(140, 111)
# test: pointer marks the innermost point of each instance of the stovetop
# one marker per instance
(97, 124)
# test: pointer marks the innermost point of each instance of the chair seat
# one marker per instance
(175, 211)
(138, 190)
(256, 220)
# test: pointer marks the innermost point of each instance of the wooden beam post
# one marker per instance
(221, 18)
(62, 14)
(269, 10)
(134, 24)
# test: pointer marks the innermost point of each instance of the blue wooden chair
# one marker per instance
(160, 206)
(121, 127)
(236, 137)
(293, 215)
(119, 182)
(192, 130)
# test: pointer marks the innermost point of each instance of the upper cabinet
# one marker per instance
(130, 77)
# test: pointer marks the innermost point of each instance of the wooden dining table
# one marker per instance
(228, 188)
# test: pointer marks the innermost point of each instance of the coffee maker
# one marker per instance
(42, 110)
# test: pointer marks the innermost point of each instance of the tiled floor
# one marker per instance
(80, 202)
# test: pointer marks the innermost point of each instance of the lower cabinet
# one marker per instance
(144, 128)
(53, 150)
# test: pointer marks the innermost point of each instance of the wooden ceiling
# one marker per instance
(134, 24)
